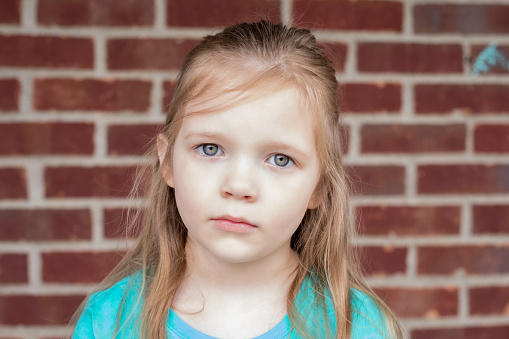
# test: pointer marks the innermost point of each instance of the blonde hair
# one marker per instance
(260, 57)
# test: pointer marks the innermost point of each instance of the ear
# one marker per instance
(166, 166)
(317, 197)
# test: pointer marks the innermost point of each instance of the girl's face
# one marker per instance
(245, 176)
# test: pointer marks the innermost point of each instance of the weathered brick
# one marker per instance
(91, 94)
(475, 99)
(461, 18)
(409, 58)
(397, 138)
(46, 51)
(489, 300)
(10, 12)
(349, 15)
(81, 182)
(168, 88)
(369, 98)
(491, 138)
(46, 310)
(13, 268)
(45, 224)
(491, 218)
(421, 302)
(13, 183)
(336, 53)
(9, 94)
(381, 261)
(47, 138)
(131, 139)
(409, 220)
(471, 259)
(148, 54)
(96, 12)
(206, 13)
(485, 332)
(444, 179)
(500, 67)
(377, 180)
(118, 223)
(77, 267)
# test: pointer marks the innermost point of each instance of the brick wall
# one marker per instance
(83, 86)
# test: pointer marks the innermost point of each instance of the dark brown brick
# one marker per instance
(45, 225)
(148, 54)
(90, 94)
(377, 180)
(491, 218)
(409, 220)
(369, 98)
(168, 88)
(410, 58)
(349, 15)
(336, 53)
(10, 12)
(46, 51)
(13, 183)
(131, 139)
(9, 94)
(491, 138)
(475, 99)
(471, 259)
(421, 302)
(77, 267)
(79, 182)
(461, 18)
(489, 300)
(47, 138)
(96, 12)
(382, 261)
(443, 179)
(46, 310)
(206, 13)
(13, 268)
(413, 138)
(501, 62)
(487, 332)
(118, 223)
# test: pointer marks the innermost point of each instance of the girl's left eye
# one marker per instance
(210, 150)
(280, 160)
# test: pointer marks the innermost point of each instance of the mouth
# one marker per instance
(231, 224)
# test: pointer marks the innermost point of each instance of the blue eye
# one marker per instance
(210, 149)
(280, 160)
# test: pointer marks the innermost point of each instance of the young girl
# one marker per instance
(247, 230)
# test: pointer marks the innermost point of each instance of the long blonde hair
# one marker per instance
(241, 61)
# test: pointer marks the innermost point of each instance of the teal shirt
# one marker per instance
(99, 317)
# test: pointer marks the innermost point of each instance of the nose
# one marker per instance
(240, 183)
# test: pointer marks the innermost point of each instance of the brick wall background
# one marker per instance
(83, 86)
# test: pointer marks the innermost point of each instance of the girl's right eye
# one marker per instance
(210, 150)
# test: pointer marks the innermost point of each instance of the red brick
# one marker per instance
(443, 179)
(9, 94)
(409, 220)
(91, 94)
(444, 98)
(369, 98)
(461, 18)
(131, 139)
(491, 218)
(49, 310)
(79, 267)
(377, 180)
(117, 223)
(336, 53)
(13, 183)
(168, 88)
(148, 54)
(500, 67)
(13, 268)
(203, 13)
(78, 182)
(396, 138)
(421, 302)
(11, 12)
(410, 58)
(46, 51)
(491, 138)
(489, 300)
(471, 259)
(96, 12)
(349, 15)
(381, 261)
(488, 332)
(45, 225)
(47, 138)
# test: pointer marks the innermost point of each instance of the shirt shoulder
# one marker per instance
(368, 321)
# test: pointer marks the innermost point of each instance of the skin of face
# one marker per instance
(244, 177)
